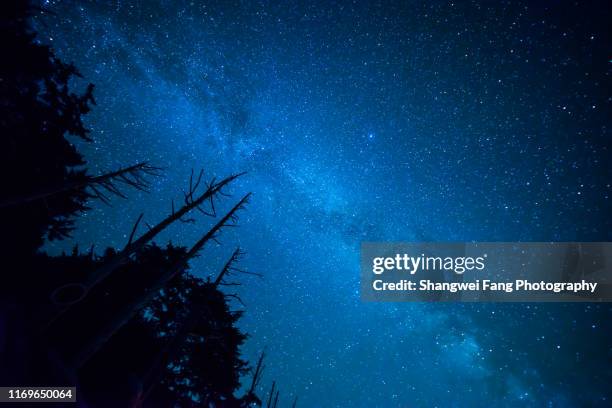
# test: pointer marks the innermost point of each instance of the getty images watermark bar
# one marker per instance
(487, 271)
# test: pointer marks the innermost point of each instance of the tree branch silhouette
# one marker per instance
(91, 347)
(98, 187)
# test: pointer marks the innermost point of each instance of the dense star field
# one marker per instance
(366, 122)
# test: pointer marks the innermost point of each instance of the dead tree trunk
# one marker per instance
(275, 404)
(257, 374)
(228, 265)
(92, 347)
(269, 404)
(132, 247)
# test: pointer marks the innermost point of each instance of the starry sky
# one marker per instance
(366, 121)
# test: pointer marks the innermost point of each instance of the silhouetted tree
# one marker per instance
(132, 327)
(38, 111)
(204, 336)
(44, 182)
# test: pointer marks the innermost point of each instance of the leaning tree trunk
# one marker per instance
(92, 347)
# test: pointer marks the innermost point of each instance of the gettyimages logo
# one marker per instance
(412, 265)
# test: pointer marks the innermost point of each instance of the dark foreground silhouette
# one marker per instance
(132, 327)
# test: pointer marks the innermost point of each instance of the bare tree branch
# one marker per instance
(269, 404)
(238, 298)
(258, 373)
(275, 404)
(96, 186)
(229, 268)
(92, 347)
(134, 229)
(234, 258)
(153, 231)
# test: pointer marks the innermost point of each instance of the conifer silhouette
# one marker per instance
(133, 326)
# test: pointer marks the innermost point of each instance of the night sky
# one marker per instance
(366, 122)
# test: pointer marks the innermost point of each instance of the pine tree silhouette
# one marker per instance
(134, 326)
(38, 109)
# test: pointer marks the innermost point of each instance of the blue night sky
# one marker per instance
(366, 122)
